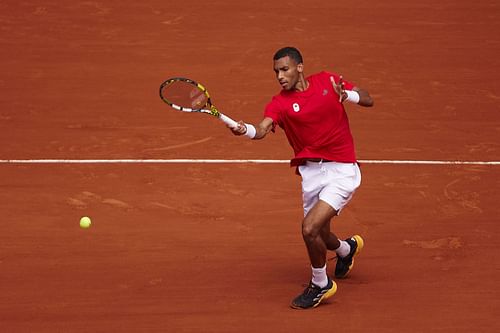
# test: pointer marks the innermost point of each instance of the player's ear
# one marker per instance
(300, 68)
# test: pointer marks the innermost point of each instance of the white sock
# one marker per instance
(343, 249)
(319, 276)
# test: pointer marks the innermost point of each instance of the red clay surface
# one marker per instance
(217, 248)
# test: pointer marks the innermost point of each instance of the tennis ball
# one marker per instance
(85, 222)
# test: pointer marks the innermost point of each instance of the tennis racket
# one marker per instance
(189, 96)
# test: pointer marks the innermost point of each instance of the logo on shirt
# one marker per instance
(296, 107)
(325, 92)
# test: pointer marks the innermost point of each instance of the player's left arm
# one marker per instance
(355, 95)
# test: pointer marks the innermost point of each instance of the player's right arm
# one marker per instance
(261, 130)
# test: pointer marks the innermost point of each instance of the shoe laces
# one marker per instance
(310, 289)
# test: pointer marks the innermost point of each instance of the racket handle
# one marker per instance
(228, 121)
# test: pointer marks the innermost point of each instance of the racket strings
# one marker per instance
(184, 95)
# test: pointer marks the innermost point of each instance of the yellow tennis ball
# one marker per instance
(85, 222)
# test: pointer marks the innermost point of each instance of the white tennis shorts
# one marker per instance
(331, 182)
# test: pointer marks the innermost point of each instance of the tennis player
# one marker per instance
(310, 110)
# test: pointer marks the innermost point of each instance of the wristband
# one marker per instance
(251, 131)
(352, 96)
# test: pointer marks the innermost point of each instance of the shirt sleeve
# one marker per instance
(273, 111)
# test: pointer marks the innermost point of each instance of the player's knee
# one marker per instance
(310, 231)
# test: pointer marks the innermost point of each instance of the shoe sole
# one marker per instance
(327, 295)
(361, 244)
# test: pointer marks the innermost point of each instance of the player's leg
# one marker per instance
(345, 250)
(331, 240)
(315, 222)
(344, 179)
(321, 286)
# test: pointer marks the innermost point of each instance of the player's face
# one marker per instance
(287, 72)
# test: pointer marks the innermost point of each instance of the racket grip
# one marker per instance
(228, 121)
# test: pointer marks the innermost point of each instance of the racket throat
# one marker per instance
(214, 111)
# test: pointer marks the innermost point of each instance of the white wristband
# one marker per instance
(352, 96)
(251, 131)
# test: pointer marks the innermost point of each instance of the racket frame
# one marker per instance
(212, 110)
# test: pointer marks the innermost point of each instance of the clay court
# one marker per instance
(216, 247)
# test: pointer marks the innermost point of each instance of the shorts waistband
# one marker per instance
(317, 160)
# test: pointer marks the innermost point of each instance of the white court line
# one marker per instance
(220, 161)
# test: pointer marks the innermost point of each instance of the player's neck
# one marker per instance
(302, 84)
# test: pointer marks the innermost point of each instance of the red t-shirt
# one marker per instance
(314, 121)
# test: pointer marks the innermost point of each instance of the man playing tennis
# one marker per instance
(310, 111)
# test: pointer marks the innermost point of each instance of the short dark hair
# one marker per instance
(289, 51)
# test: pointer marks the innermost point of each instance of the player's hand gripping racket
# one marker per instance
(189, 96)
